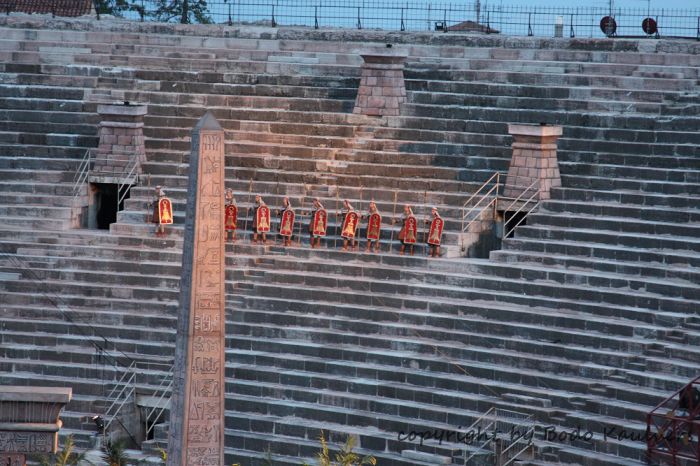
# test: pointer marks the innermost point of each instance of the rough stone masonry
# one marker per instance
(197, 417)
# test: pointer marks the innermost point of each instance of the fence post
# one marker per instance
(273, 23)
(403, 26)
(571, 27)
(529, 24)
(316, 17)
(359, 21)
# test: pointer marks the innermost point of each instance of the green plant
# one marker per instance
(64, 457)
(163, 454)
(268, 457)
(345, 457)
(115, 454)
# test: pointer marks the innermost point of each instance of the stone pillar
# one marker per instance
(29, 421)
(534, 158)
(196, 434)
(121, 141)
(382, 88)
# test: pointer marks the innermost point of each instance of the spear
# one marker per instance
(301, 212)
(337, 200)
(359, 220)
(425, 220)
(393, 217)
(277, 194)
(250, 191)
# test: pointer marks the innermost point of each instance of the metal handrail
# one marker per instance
(524, 203)
(474, 426)
(127, 371)
(483, 196)
(496, 175)
(123, 181)
(160, 406)
(120, 400)
(528, 434)
(81, 175)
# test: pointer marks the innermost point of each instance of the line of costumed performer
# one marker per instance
(162, 211)
(261, 219)
(162, 214)
(409, 229)
(351, 222)
(286, 215)
(435, 232)
(318, 223)
(374, 227)
(230, 215)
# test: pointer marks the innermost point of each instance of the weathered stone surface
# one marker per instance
(367, 340)
(382, 89)
(534, 169)
(29, 421)
(121, 142)
(197, 417)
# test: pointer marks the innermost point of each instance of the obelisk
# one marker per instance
(196, 435)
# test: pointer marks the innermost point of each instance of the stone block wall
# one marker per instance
(382, 88)
(534, 159)
(121, 140)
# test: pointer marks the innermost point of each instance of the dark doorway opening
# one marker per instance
(107, 202)
(513, 220)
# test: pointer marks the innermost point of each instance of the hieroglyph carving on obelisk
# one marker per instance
(196, 435)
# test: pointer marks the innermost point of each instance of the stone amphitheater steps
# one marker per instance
(669, 201)
(550, 227)
(508, 289)
(637, 339)
(527, 345)
(450, 379)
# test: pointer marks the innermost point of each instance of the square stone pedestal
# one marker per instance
(382, 88)
(534, 159)
(121, 142)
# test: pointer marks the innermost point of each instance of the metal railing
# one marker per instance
(127, 178)
(673, 427)
(125, 388)
(489, 195)
(121, 393)
(454, 16)
(80, 177)
(165, 388)
(513, 446)
(484, 198)
(485, 423)
(524, 205)
(499, 426)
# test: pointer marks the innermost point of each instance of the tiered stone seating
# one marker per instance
(588, 317)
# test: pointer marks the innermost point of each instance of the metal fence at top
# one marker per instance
(396, 15)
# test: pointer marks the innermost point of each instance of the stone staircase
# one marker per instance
(586, 318)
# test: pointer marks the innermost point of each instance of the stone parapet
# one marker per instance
(382, 88)
(534, 159)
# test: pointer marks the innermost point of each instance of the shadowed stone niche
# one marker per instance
(534, 159)
(29, 422)
(121, 141)
(382, 88)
